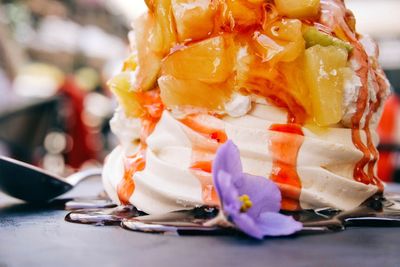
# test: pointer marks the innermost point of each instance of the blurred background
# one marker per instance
(56, 57)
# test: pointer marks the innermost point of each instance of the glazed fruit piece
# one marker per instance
(149, 62)
(194, 18)
(121, 87)
(176, 92)
(281, 41)
(283, 85)
(208, 61)
(243, 13)
(325, 68)
(300, 9)
(296, 83)
(164, 37)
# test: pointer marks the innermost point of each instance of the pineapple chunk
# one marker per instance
(300, 9)
(194, 18)
(281, 41)
(149, 62)
(294, 78)
(244, 13)
(120, 85)
(325, 69)
(208, 61)
(163, 38)
(175, 92)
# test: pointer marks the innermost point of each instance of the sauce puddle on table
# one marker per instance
(378, 211)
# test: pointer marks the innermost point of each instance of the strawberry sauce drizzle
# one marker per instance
(151, 103)
(206, 134)
(284, 147)
(133, 164)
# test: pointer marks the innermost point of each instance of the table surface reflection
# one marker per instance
(34, 236)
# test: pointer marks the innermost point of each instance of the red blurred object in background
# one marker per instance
(388, 133)
(82, 149)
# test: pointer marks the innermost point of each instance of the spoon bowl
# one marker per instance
(32, 184)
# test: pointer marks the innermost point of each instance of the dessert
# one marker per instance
(290, 82)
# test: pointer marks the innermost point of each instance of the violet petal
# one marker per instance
(247, 225)
(276, 224)
(264, 194)
(228, 160)
(227, 192)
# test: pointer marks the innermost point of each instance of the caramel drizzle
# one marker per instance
(370, 154)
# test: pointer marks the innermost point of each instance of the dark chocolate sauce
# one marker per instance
(378, 211)
(102, 216)
(186, 222)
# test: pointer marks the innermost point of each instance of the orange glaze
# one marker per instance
(206, 134)
(284, 149)
(151, 103)
(370, 154)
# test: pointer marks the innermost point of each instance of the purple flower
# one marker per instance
(251, 203)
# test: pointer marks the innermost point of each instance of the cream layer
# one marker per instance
(325, 164)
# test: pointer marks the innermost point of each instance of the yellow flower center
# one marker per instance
(246, 203)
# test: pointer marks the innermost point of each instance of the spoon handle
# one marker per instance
(78, 177)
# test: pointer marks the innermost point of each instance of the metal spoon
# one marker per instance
(32, 184)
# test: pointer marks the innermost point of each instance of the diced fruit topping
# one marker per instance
(294, 73)
(281, 41)
(283, 85)
(194, 18)
(208, 61)
(325, 68)
(202, 50)
(314, 37)
(164, 37)
(175, 93)
(121, 87)
(149, 62)
(243, 13)
(300, 9)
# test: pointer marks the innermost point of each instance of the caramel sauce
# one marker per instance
(284, 147)
(152, 104)
(359, 173)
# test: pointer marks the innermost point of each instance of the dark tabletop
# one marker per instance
(33, 236)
